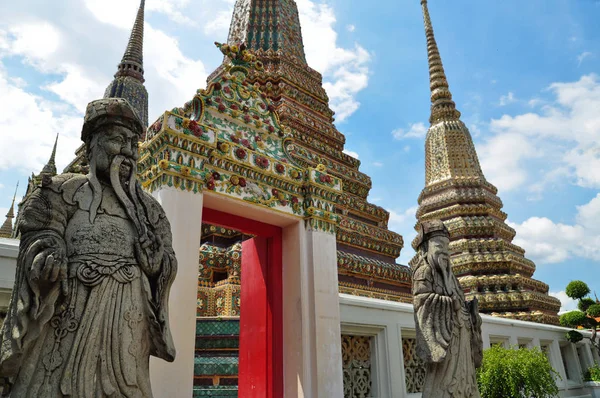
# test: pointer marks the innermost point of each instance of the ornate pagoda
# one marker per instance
(128, 83)
(488, 265)
(6, 230)
(270, 30)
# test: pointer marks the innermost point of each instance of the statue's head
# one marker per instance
(433, 242)
(111, 131)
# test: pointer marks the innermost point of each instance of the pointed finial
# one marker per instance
(132, 63)
(442, 106)
(50, 167)
(6, 229)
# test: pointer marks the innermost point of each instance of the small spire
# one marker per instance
(7, 228)
(50, 167)
(132, 63)
(442, 106)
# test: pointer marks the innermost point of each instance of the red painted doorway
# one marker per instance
(261, 314)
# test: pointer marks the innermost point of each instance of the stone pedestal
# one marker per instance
(184, 211)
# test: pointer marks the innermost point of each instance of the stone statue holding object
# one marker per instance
(95, 267)
(448, 328)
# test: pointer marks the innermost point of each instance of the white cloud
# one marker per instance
(34, 129)
(219, 24)
(351, 28)
(399, 219)
(403, 223)
(415, 130)
(567, 303)
(502, 159)
(3, 212)
(351, 153)
(564, 134)
(588, 215)
(77, 66)
(377, 164)
(345, 71)
(547, 242)
(507, 99)
(581, 57)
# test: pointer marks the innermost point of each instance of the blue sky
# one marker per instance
(525, 76)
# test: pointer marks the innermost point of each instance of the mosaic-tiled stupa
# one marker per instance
(488, 265)
(270, 29)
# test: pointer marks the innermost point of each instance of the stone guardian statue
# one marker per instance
(448, 328)
(94, 271)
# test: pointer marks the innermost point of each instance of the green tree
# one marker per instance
(516, 373)
(585, 317)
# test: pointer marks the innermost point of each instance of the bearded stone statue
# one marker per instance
(448, 328)
(95, 266)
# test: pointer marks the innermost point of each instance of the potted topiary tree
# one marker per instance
(583, 318)
(516, 373)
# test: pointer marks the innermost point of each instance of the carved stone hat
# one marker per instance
(429, 229)
(110, 111)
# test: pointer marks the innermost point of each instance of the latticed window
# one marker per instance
(414, 367)
(356, 358)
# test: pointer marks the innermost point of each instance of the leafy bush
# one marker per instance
(577, 290)
(585, 303)
(573, 319)
(574, 336)
(592, 374)
(516, 373)
(594, 310)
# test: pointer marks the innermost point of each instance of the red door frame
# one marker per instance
(261, 315)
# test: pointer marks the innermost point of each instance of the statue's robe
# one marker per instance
(448, 341)
(90, 335)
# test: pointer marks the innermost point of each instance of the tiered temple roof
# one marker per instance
(270, 29)
(488, 265)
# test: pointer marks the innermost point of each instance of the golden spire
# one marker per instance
(7, 228)
(442, 106)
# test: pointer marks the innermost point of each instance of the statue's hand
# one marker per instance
(50, 262)
(456, 303)
(149, 252)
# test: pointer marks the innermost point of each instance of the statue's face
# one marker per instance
(115, 140)
(438, 250)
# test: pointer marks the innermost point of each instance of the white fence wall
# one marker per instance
(388, 323)
(9, 249)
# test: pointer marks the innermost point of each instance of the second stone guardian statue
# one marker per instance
(448, 328)
(95, 267)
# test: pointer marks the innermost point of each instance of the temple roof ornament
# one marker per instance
(129, 79)
(488, 265)
(50, 167)
(6, 230)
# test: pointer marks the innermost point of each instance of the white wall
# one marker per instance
(9, 249)
(388, 322)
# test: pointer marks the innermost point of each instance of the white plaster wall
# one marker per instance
(184, 211)
(9, 250)
(324, 312)
(363, 316)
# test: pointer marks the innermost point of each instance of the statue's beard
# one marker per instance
(440, 260)
(122, 173)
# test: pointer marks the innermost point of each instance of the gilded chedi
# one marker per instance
(488, 265)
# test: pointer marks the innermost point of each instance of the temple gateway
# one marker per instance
(288, 284)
